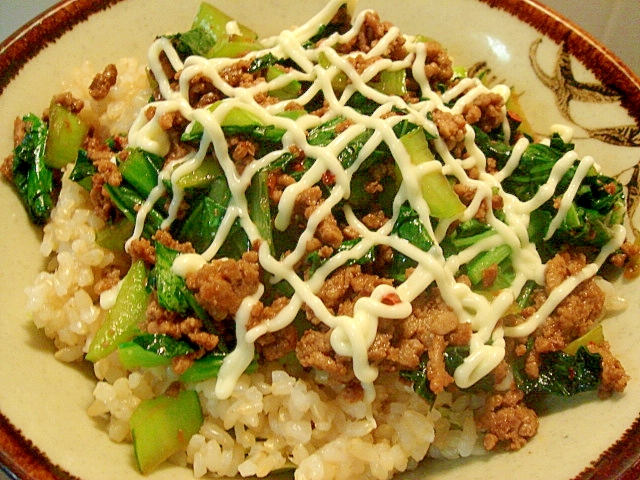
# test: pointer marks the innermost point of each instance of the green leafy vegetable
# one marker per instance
(172, 290)
(31, 176)
(127, 200)
(562, 374)
(83, 170)
(409, 227)
(151, 350)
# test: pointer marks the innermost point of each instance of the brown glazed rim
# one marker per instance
(620, 462)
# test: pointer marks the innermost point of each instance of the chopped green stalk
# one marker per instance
(162, 426)
(595, 335)
(203, 176)
(132, 356)
(292, 114)
(237, 116)
(477, 266)
(31, 176)
(151, 350)
(289, 91)
(233, 49)
(203, 369)
(141, 170)
(114, 236)
(214, 19)
(436, 189)
(392, 82)
(237, 121)
(340, 81)
(208, 367)
(259, 207)
(123, 319)
(66, 134)
(525, 297)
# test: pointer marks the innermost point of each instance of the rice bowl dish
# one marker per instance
(338, 414)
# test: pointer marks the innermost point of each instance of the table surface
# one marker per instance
(616, 23)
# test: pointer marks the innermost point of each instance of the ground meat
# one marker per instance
(109, 278)
(238, 75)
(342, 289)
(170, 73)
(69, 102)
(275, 345)
(19, 131)
(392, 354)
(467, 194)
(202, 91)
(485, 111)
(142, 249)
(165, 238)
(372, 30)
(438, 66)
(162, 321)
(307, 201)
(276, 183)
(614, 377)
(242, 152)
(221, 285)
(431, 315)
(439, 378)
(577, 313)
(430, 322)
(329, 233)
(172, 120)
(103, 82)
(361, 63)
(107, 173)
(629, 259)
(375, 220)
(451, 127)
(314, 350)
(506, 420)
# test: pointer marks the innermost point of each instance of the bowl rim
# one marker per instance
(20, 458)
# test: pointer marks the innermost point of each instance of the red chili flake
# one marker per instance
(328, 178)
(271, 181)
(391, 299)
(515, 117)
(298, 166)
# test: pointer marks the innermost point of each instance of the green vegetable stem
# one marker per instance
(123, 320)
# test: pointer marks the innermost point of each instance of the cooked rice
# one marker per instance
(273, 420)
(116, 112)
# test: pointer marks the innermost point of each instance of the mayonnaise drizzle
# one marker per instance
(353, 335)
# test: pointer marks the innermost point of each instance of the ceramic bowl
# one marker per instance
(562, 75)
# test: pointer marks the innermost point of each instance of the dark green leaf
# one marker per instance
(83, 170)
(31, 177)
(562, 374)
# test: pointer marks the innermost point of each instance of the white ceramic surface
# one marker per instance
(47, 400)
(616, 23)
